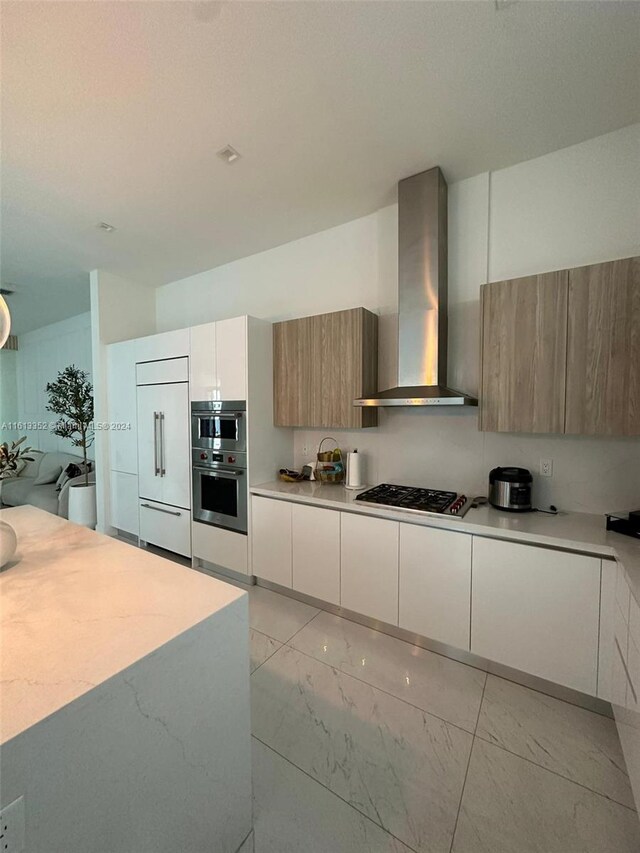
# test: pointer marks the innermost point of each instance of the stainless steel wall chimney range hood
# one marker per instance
(422, 303)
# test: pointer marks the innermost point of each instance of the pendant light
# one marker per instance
(5, 321)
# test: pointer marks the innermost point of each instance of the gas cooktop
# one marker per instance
(417, 500)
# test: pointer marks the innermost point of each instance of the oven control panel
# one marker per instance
(207, 458)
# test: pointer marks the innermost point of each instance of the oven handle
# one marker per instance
(212, 472)
(229, 416)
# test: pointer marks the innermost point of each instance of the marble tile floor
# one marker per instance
(363, 743)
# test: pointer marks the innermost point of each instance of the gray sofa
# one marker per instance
(17, 491)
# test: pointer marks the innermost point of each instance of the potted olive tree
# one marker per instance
(71, 397)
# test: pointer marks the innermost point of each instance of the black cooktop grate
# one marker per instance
(409, 497)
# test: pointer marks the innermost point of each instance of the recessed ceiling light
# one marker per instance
(104, 226)
(228, 154)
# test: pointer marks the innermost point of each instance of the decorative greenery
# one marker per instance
(71, 396)
(10, 455)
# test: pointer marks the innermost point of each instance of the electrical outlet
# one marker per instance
(546, 467)
(305, 452)
(12, 827)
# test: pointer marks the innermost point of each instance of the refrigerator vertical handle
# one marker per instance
(162, 468)
(155, 444)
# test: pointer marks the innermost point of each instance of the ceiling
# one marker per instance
(115, 111)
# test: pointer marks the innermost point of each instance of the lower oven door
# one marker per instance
(220, 497)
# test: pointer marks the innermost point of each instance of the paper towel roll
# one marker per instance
(354, 474)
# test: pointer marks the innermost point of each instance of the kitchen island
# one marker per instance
(125, 696)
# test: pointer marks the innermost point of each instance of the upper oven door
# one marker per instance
(219, 430)
(220, 497)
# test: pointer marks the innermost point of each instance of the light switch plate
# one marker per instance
(12, 830)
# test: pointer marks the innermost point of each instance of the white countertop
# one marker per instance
(571, 530)
(79, 607)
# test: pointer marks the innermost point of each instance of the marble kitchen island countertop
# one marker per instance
(570, 530)
(78, 607)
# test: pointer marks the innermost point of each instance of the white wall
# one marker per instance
(120, 310)
(336, 266)
(8, 394)
(571, 207)
(41, 354)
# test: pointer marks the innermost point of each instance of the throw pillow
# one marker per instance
(31, 468)
(49, 476)
(62, 479)
(72, 470)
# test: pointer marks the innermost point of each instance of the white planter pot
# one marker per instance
(82, 505)
(8, 543)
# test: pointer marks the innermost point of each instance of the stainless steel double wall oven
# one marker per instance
(219, 463)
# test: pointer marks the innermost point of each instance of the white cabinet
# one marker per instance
(271, 540)
(537, 610)
(162, 371)
(316, 552)
(231, 358)
(626, 678)
(619, 663)
(173, 344)
(124, 502)
(203, 383)
(218, 360)
(121, 391)
(225, 549)
(168, 527)
(435, 584)
(369, 566)
(164, 453)
(606, 635)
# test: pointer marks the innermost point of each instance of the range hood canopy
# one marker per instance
(422, 302)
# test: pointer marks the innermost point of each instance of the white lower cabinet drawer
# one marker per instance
(619, 664)
(369, 566)
(223, 548)
(166, 526)
(537, 610)
(316, 552)
(271, 540)
(124, 502)
(435, 584)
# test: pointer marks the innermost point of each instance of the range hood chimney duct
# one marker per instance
(422, 298)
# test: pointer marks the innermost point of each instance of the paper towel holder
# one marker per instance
(349, 484)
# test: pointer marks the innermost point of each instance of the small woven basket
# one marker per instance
(329, 464)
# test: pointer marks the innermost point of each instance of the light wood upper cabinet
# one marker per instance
(603, 349)
(523, 344)
(321, 364)
(561, 352)
(296, 372)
